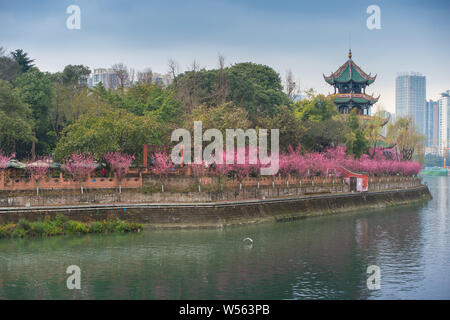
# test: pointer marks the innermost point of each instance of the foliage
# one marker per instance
(315, 108)
(16, 122)
(146, 99)
(39, 168)
(119, 162)
(9, 68)
(22, 59)
(61, 225)
(356, 143)
(257, 88)
(75, 75)
(222, 117)
(406, 137)
(291, 129)
(372, 130)
(108, 130)
(254, 87)
(80, 165)
(162, 163)
(4, 159)
(320, 135)
(321, 164)
(36, 89)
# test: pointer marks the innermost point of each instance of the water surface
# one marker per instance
(316, 258)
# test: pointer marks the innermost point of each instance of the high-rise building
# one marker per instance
(410, 93)
(107, 77)
(431, 123)
(444, 116)
(110, 81)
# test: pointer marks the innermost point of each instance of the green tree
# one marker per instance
(320, 135)
(16, 121)
(151, 99)
(22, 60)
(75, 76)
(225, 116)
(356, 143)
(9, 68)
(372, 131)
(406, 137)
(36, 89)
(290, 127)
(254, 87)
(315, 108)
(105, 130)
(257, 88)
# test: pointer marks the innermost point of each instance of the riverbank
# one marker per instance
(62, 226)
(223, 213)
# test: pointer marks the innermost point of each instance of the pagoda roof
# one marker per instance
(355, 97)
(349, 71)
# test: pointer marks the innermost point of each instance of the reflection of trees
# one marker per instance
(318, 257)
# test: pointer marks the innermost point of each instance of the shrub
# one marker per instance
(61, 225)
(75, 227)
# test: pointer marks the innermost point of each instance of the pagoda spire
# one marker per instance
(350, 83)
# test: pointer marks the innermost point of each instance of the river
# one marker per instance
(316, 258)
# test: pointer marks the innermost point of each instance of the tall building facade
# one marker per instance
(410, 93)
(110, 81)
(444, 128)
(106, 76)
(432, 123)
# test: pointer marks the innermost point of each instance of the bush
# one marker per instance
(75, 227)
(23, 224)
(61, 225)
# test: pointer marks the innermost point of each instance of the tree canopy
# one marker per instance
(102, 131)
(16, 123)
(22, 59)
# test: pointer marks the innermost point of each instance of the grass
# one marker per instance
(62, 226)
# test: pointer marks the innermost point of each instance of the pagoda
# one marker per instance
(349, 83)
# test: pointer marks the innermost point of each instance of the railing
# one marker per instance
(135, 180)
(10, 184)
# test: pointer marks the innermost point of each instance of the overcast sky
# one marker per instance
(309, 37)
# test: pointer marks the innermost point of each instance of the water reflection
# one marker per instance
(324, 257)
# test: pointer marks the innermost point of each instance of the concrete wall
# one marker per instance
(92, 196)
(221, 214)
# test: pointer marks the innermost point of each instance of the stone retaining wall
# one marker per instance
(221, 214)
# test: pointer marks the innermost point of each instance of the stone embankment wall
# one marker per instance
(285, 189)
(220, 214)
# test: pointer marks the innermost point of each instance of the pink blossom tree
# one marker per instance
(222, 169)
(39, 169)
(4, 159)
(80, 166)
(120, 163)
(162, 165)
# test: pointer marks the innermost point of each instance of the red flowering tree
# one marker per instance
(120, 163)
(4, 159)
(39, 169)
(80, 166)
(162, 165)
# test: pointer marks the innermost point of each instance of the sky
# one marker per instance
(308, 37)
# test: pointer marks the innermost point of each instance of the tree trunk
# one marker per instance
(33, 151)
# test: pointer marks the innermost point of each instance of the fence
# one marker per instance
(305, 185)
